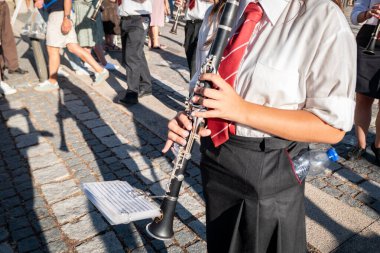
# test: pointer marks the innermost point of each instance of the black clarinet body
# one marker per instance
(162, 227)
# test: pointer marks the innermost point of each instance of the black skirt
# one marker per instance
(368, 67)
(254, 202)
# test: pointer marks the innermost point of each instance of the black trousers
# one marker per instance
(191, 39)
(132, 38)
(254, 203)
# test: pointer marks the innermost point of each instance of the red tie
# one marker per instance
(191, 4)
(229, 67)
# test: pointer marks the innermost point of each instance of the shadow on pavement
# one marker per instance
(23, 212)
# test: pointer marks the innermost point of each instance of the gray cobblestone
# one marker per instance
(57, 191)
(188, 207)
(371, 188)
(44, 224)
(112, 141)
(41, 149)
(348, 175)
(365, 198)
(87, 116)
(100, 244)
(151, 176)
(197, 247)
(332, 191)
(6, 248)
(184, 237)
(102, 131)
(28, 244)
(173, 249)
(319, 183)
(57, 247)
(22, 233)
(199, 228)
(27, 140)
(93, 123)
(52, 235)
(54, 173)
(137, 163)
(374, 176)
(43, 161)
(71, 208)
(88, 226)
(3, 234)
(370, 212)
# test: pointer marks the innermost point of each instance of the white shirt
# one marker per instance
(296, 61)
(360, 6)
(199, 10)
(135, 7)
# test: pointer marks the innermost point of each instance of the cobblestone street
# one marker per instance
(51, 143)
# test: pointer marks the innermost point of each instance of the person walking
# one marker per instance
(196, 10)
(278, 87)
(9, 57)
(60, 34)
(90, 33)
(368, 77)
(133, 14)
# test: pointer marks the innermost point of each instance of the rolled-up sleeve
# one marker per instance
(331, 80)
(359, 6)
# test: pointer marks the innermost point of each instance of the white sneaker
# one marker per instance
(101, 77)
(61, 72)
(6, 89)
(46, 86)
(110, 66)
(82, 72)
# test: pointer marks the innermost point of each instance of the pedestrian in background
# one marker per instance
(135, 16)
(196, 10)
(90, 33)
(111, 24)
(60, 34)
(9, 57)
(157, 20)
(368, 77)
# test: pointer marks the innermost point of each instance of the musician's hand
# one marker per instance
(179, 129)
(223, 102)
(66, 26)
(375, 11)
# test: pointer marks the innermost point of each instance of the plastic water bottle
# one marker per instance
(313, 162)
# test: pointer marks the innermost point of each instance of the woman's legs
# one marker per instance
(363, 118)
(85, 56)
(154, 36)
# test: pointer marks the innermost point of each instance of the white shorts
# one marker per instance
(54, 36)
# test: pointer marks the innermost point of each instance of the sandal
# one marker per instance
(376, 151)
(355, 153)
(111, 48)
(159, 47)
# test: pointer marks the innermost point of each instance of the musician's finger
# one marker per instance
(210, 93)
(207, 114)
(204, 132)
(209, 103)
(177, 129)
(216, 80)
(176, 138)
(167, 146)
(184, 120)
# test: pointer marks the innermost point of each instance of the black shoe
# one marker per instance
(355, 153)
(144, 93)
(130, 98)
(377, 152)
(18, 71)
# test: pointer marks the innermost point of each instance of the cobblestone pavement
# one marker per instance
(52, 142)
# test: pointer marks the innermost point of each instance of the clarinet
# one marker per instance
(176, 19)
(96, 10)
(162, 227)
(370, 49)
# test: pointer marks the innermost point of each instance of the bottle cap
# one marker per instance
(332, 154)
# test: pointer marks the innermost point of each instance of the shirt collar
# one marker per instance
(272, 8)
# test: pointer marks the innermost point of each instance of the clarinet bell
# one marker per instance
(370, 49)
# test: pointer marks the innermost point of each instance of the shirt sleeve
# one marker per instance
(331, 80)
(359, 6)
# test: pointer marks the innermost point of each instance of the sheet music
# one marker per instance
(119, 202)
